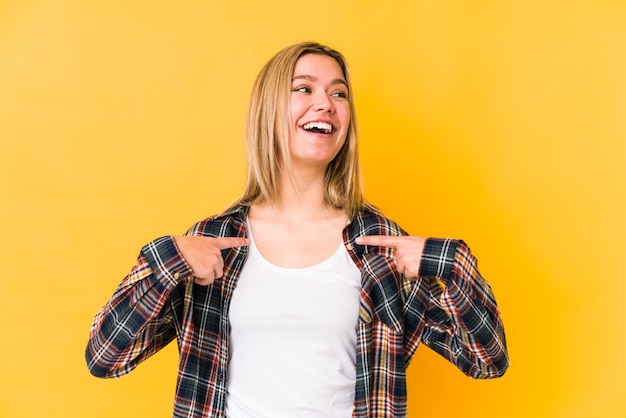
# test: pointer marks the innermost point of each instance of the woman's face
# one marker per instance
(319, 110)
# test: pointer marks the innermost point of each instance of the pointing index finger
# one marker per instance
(380, 241)
(229, 242)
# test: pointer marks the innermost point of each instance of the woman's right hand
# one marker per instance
(204, 255)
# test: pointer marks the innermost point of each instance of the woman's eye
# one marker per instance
(302, 89)
(340, 94)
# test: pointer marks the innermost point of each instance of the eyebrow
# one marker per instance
(312, 78)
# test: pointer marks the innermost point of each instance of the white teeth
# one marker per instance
(322, 126)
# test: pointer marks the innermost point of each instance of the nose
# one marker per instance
(323, 103)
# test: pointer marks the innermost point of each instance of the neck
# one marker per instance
(305, 192)
(302, 198)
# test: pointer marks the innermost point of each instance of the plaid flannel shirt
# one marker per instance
(450, 308)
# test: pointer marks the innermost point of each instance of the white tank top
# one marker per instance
(293, 339)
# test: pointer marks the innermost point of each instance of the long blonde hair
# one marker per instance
(268, 129)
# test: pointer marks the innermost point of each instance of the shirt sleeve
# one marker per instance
(462, 321)
(137, 322)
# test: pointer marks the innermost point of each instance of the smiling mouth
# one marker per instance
(318, 127)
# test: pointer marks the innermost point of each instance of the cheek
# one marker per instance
(344, 114)
(296, 109)
(345, 121)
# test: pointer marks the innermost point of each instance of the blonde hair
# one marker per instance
(268, 130)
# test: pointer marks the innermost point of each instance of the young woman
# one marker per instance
(300, 299)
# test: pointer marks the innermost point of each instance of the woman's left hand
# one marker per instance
(408, 251)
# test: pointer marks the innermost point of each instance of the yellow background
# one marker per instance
(501, 122)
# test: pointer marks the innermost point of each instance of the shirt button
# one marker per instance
(350, 247)
(177, 276)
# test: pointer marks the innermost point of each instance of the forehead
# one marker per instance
(319, 66)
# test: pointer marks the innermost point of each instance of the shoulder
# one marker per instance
(227, 224)
(372, 222)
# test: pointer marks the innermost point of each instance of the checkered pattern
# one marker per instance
(450, 308)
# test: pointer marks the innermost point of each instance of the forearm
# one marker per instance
(133, 323)
(465, 325)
